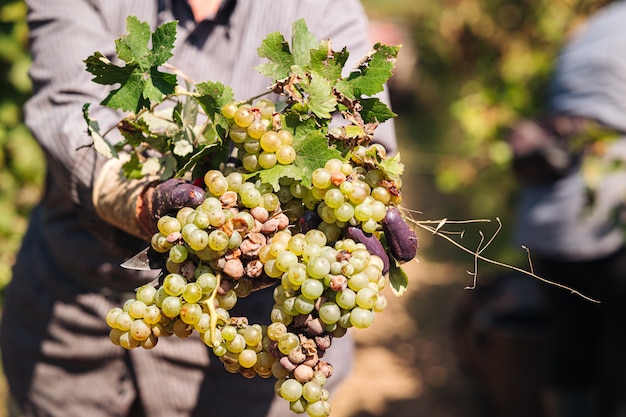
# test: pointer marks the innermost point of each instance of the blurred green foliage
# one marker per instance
(21, 160)
(481, 65)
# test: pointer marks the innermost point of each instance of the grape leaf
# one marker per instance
(398, 279)
(276, 49)
(375, 110)
(372, 72)
(140, 80)
(311, 145)
(392, 165)
(302, 41)
(327, 63)
(273, 175)
(321, 99)
(99, 142)
(213, 96)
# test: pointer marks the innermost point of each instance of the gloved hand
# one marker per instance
(135, 205)
(161, 198)
(539, 153)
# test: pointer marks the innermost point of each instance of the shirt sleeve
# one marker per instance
(62, 35)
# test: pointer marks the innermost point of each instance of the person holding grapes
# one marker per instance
(56, 350)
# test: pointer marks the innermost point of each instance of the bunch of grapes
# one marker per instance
(319, 247)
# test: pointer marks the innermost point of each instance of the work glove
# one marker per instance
(539, 154)
(135, 205)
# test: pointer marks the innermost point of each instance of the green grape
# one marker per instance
(321, 178)
(235, 179)
(256, 129)
(303, 304)
(237, 134)
(250, 162)
(198, 239)
(381, 194)
(252, 146)
(192, 293)
(333, 165)
(363, 212)
(235, 239)
(247, 358)
(297, 274)
(361, 318)
(311, 251)
(263, 365)
(207, 281)
(379, 211)
(237, 345)
(218, 240)
(346, 299)
(312, 288)
(366, 298)
(311, 391)
(211, 204)
(171, 306)
(318, 267)
(218, 185)
(244, 116)
(178, 254)
(228, 110)
(271, 270)
(216, 218)
(331, 230)
(253, 335)
(291, 390)
(111, 316)
(358, 281)
(276, 330)
(127, 341)
(333, 198)
(139, 330)
(298, 406)
(329, 313)
(369, 226)
(345, 212)
(318, 409)
(288, 342)
(146, 294)
(381, 303)
(297, 243)
(250, 197)
(190, 313)
(267, 159)
(160, 243)
(286, 138)
(266, 107)
(168, 224)
(271, 202)
(270, 141)
(136, 309)
(315, 237)
(203, 324)
(285, 260)
(152, 315)
(358, 194)
(228, 300)
(174, 284)
(285, 154)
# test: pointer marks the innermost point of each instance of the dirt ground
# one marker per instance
(408, 363)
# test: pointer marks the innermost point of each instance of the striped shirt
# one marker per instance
(55, 347)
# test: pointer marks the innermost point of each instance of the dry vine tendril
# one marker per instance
(307, 212)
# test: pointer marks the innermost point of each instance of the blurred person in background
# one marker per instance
(572, 166)
(56, 351)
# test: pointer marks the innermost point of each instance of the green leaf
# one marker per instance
(182, 143)
(140, 80)
(99, 142)
(132, 167)
(372, 73)
(398, 279)
(375, 110)
(321, 99)
(327, 63)
(273, 175)
(311, 145)
(392, 166)
(302, 41)
(276, 49)
(212, 96)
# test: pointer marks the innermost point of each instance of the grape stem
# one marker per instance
(212, 312)
(437, 230)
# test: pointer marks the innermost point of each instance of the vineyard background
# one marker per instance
(468, 68)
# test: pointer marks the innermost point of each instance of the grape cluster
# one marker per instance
(247, 236)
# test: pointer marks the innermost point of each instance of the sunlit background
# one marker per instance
(467, 69)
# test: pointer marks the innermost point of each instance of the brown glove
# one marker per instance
(135, 205)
